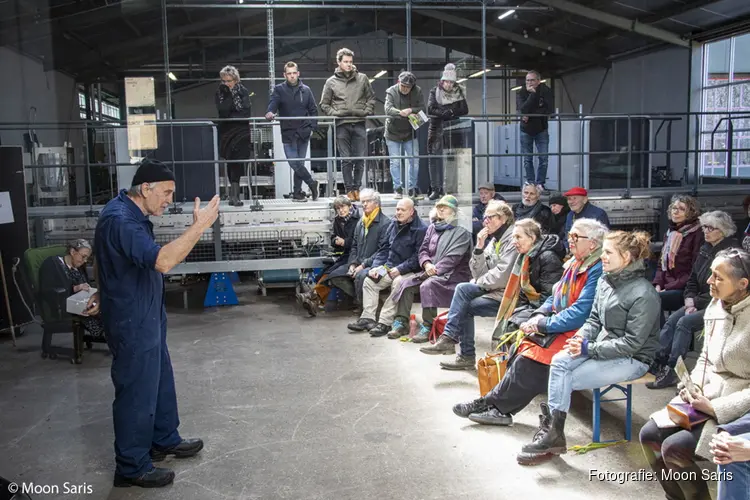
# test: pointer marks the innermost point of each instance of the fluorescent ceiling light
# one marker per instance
(515, 89)
(381, 73)
(171, 76)
(506, 14)
(479, 73)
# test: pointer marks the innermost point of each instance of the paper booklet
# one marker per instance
(684, 375)
(417, 119)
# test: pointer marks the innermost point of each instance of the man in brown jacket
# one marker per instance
(348, 96)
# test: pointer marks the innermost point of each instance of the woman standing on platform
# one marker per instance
(233, 101)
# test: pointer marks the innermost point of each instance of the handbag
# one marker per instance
(491, 370)
(542, 339)
(438, 326)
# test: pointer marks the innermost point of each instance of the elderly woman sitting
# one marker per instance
(557, 320)
(536, 270)
(68, 272)
(617, 343)
(721, 381)
(444, 259)
(682, 243)
(677, 334)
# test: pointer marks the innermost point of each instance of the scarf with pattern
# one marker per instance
(566, 290)
(518, 281)
(672, 245)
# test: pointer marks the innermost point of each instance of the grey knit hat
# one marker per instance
(407, 78)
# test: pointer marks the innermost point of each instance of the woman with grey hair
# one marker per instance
(547, 331)
(68, 272)
(233, 101)
(677, 333)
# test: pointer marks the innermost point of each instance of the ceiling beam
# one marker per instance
(675, 10)
(622, 23)
(513, 37)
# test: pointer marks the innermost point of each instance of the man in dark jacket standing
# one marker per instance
(401, 101)
(348, 96)
(397, 256)
(535, 99)
(294, 98)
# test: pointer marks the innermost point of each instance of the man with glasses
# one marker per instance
(293, 98)
(533, 102)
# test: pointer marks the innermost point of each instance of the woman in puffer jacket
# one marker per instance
(721, 380)
(617, 343)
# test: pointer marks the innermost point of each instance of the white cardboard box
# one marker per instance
(77, 302)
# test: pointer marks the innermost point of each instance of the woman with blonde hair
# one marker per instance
(617, 343)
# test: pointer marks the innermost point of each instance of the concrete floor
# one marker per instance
(292, 407)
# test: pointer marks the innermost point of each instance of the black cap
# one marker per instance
(558, 199)
(152, 171)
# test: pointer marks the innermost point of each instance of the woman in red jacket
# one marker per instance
(682, 245)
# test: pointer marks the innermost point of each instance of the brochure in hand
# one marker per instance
(417, 119)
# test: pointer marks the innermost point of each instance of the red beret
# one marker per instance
(577, 191)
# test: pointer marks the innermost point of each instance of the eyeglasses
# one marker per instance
(708, 229)
(574, 238)
(678, 209)
(488, 217)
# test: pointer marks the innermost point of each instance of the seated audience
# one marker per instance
(558, 204)
(547, 331)
(491, 265)
(580, 208)
(370, 234)
(536, 270)
(342, 239)
(531, 207)
(444, 259)
(677, 333)
(743, 228)
(69, 273)
(721, 379)
(682, 242)
(730, 448)
(396, 258)
(617, 343)
(486, 193)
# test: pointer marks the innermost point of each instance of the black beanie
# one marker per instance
(558, 200)
(152, 171)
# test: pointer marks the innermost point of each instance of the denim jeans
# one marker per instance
(408, 148)
(739, 486)
(677, 334)
(541, 140)
(568, 374)
(351, 140)
(468, 301)
(298, 149)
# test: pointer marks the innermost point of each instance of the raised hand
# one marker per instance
(205, 217)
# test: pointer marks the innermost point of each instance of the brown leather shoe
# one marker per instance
(356, 195)
(351, 196)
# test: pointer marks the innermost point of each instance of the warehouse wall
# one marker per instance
(657, 82)
(26, 84)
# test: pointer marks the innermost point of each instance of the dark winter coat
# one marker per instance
(349, 97)
(477, 215)
(541, 102)
(364, 247)
(697, 287)
(677, 278)
(294, 101)
(443, 113)
(400, 249)
(541, 213)
(624, 321)
(343, 229)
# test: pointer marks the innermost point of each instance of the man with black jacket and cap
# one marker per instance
(533, 101)
(128, 269)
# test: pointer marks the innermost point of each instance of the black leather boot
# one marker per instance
(186, 449)
(157, 477)
(553, 441)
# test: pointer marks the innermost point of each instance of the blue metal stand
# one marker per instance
(627, 391)
(234, 277)
(220, 291)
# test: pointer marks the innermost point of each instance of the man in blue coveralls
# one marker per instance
(129, 267)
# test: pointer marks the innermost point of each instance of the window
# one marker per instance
(726, 92)
(109, 110)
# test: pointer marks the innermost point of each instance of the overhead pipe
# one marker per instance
(355, 6)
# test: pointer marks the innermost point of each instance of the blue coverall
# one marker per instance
(135, 319)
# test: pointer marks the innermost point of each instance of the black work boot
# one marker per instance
(465, 409)
(460, 363)
(665, 378)
(444, 345)
(379, 330)
(553, 441)
(545, 422)
(314, 189)
(186, 449)
(492, 416)
(362, 325)
(299, 196)
(157, 477)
